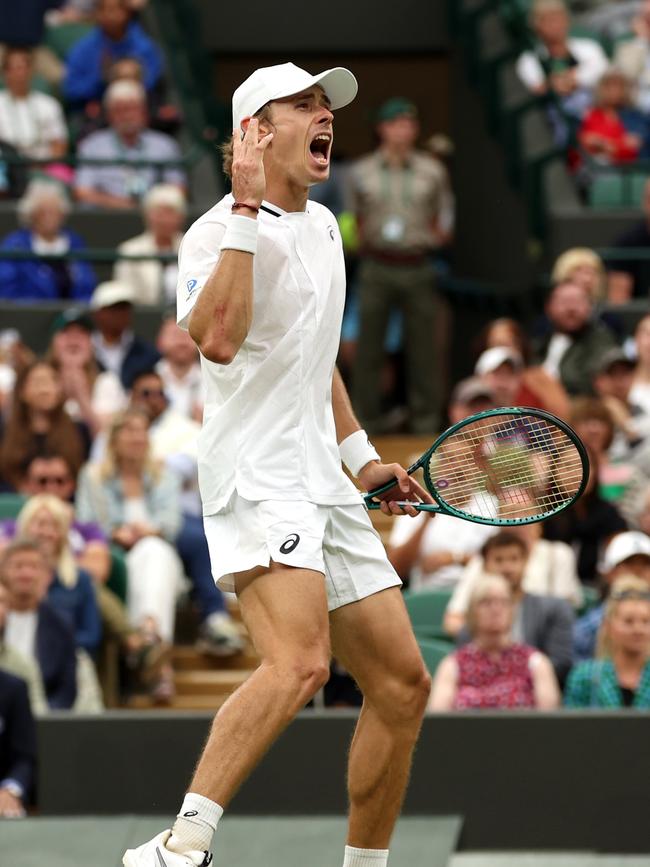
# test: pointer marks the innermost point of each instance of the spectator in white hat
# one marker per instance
(538, 389)
(117, 348)
(502, 369)
(627, 554)
(154, 282)
(470, 396)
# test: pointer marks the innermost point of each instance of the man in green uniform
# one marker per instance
(398, 192)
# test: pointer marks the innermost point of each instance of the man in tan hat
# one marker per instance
(261, 290)
(117, 348)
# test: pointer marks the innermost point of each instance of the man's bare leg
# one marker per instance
(285, 612)
(373, 639)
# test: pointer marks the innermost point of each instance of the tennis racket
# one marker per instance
(507, 466)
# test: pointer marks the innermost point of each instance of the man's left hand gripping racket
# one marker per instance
(507, 466)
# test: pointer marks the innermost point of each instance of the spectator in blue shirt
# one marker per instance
(116, 36)
(46, 519)
(42, 211)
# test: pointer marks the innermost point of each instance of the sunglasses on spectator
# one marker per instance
(151, 392)
(51, 480)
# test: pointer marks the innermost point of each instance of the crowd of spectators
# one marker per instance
(592, 71)
(98, 434)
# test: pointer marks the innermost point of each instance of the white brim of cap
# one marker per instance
(339, 84)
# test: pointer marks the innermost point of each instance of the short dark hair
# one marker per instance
(12, 50)
(504, 539)
(49, 456)
(143, 374)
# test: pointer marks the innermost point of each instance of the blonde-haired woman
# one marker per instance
(47, 519)
(583, 266)
(493, 671)
(43, 211)
(136, 502)
(620, 675)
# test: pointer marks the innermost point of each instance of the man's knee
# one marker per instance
(402, 697)
(303, 674)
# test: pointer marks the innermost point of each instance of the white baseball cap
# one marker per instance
(495, 357)
(109, 293)
(285, 79)
(623, 546)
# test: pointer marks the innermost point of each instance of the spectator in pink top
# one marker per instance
(493, 671)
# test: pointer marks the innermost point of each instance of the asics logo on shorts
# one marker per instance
(290, 543)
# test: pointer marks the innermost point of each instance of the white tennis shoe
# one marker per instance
(154, 854)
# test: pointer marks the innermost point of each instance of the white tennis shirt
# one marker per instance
(268, 426)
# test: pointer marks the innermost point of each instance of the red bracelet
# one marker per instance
(245, 205)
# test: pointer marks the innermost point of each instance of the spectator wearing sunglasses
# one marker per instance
(53, 474)
(620, 675)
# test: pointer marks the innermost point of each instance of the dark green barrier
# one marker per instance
(566, 781)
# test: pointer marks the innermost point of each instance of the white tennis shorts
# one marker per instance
(338, 541)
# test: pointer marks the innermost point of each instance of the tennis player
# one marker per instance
(261, 290)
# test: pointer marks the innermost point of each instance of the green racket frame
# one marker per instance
(445, 508)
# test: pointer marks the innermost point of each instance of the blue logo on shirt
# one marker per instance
(191, 286)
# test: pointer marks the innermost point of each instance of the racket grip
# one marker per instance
(419, 507)
(377, 492)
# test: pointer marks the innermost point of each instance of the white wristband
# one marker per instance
(241, 234)
(356, 451)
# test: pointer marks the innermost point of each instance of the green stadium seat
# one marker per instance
(62, 37)
(591, 598)
(11, 504)
(606, 191)
(427, 610)
(117, 579)
(617, 189)
(433, 652)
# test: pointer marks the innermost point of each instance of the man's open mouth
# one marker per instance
(320, 148)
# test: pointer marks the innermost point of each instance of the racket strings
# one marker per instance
(508, 467)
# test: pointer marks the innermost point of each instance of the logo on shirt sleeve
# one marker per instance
(191, 288)
(330, 229)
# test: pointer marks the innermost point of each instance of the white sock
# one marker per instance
(365, 857)
(195, 825)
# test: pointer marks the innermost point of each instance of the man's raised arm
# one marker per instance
(222, 315)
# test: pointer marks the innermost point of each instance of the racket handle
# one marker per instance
(419, 507)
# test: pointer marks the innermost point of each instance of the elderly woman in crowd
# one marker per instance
(154, 282)
(620, 676)
(136, 502)
(613, 132)
(492, 671)
(39, 424)
(42, 211)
